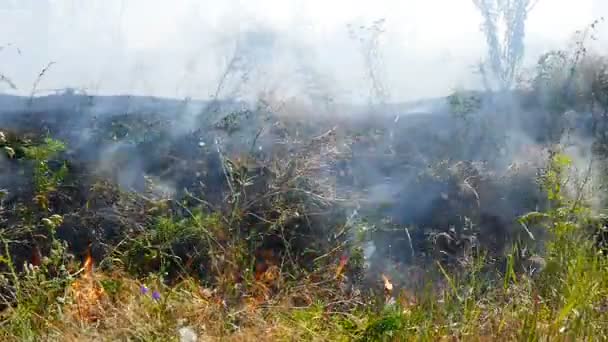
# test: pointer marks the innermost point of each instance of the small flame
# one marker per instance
(88, 265)
(88, 294)
(341, 265)
(388, 286)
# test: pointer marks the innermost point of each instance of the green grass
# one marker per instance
(567, 301)
(57, 300)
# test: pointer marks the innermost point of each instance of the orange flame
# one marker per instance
(341, 265)
(88, 264)
(388, 286)
(88, 294)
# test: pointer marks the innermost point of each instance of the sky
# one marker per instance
(180, 48)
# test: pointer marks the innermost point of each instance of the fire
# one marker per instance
(88, 294)
(388, 286)
(88, 264)
(341, 266)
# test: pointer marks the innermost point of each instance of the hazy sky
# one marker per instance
(179, 48)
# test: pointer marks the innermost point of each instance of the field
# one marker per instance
(479, 216)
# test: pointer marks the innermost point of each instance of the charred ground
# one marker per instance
(255, 203)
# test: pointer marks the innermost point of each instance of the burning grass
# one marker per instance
(227, 276)
(467, 307)
(302, 233)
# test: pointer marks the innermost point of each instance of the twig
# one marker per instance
(255, 140)
(223, 162)
(278, 192)
(335, 249)
(200, 200)
(523, 224)
(466, 182)
(8, 81)
(409, 239)
(38, 79)
(579, 194)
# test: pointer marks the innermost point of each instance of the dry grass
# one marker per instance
(122, 311)
(566, 303)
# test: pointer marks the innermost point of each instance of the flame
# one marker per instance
(88, 264)
(88, 294)
(341, 266)
(388, 286)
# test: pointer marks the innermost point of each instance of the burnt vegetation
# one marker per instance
(249, 220)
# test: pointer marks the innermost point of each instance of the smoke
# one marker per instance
(228, 63)
(179, 49)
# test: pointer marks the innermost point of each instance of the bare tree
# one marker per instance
(504, 29)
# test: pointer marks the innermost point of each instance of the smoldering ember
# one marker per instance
(251, 214)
